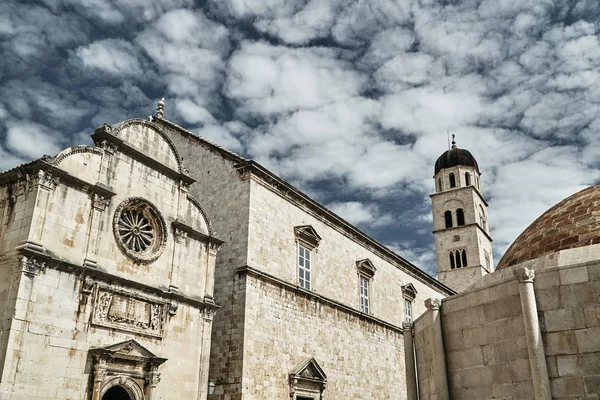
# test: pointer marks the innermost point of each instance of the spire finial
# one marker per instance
(453, 141)
(160, 108)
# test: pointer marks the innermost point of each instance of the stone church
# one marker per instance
(158, 265)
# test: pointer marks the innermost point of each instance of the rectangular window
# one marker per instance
(408, 310)
(304, 267)
(364, 294)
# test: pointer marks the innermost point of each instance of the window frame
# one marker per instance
(409, 294)
(302, 246)
(408, 310)
(365, 271)
(364, 293)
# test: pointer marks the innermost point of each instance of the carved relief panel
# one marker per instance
(130, 311)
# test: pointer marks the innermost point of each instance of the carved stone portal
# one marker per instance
(307, 381)
(128, 366)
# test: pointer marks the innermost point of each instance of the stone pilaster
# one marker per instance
(153, 380)
(440, 376)
(535, 347)
(210, 272)
(99, 204)
(207, 318)
(179, 258)
(409, 361)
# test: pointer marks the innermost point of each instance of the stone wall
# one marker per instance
(51, 335)
(362, 359)
(273, 250)
(484, 338)
(225, 197)
(569, 306)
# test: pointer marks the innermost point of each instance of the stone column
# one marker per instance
(535, 347)
(409, 361)
(440, 377)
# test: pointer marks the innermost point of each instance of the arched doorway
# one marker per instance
(116, 393)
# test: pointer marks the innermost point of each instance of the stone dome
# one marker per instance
(453, 157)
(572, 223)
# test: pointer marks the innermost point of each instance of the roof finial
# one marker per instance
(160, 108)
(453, 141)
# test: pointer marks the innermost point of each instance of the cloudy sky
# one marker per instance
(349, 100)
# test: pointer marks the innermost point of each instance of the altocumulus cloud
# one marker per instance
(349, 100)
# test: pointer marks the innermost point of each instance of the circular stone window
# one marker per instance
(139, 230)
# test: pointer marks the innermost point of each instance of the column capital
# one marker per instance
(433, 304)
(407, 326)
(524, 275)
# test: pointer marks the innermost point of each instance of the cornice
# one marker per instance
(49, 261)
(251, 169)
(312, 295)
(193, 233)
(458, 228)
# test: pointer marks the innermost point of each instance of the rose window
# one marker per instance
(140, 230)
(135, 230)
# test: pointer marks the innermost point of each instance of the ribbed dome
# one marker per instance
(453, 157)
(572, 223)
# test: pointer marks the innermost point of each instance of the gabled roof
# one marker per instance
(309, 369)
(307, 203)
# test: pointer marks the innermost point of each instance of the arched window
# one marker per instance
(467, 179)
(460, 217)
(457, 259)
(464, 258)
(448, 218)
(452, 265)
(439, 184)
(452, 180)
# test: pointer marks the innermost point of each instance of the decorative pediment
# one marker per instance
(309, 369)
(409, 291)
(129, 348)
(366, 267)
(128, 365)
(307, 234)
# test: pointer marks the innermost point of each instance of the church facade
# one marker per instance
(106, 274)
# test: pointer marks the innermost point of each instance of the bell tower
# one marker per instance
(463, 244)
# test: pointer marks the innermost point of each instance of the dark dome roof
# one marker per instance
(454, 157)
(572, 223)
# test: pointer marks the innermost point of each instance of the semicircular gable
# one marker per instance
(84, 162)
(194, 215)
(150, 140)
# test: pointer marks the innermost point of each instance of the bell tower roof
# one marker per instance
(454, 157)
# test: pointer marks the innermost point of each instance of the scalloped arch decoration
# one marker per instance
(149, 139)
(201, 217)
(81, 161)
